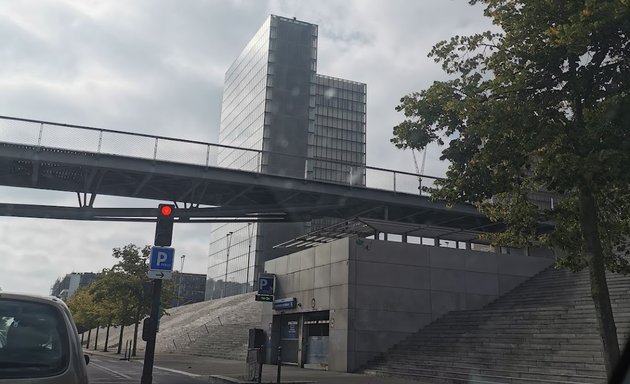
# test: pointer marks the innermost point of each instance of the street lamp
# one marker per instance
(179, 281)
(228, 238)
(249, 251)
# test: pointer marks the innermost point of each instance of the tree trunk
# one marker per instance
(107, 336)
(120, 339)
(96, 338)
(135, 333)
(599, 287)
(82, 334)
(87, 344)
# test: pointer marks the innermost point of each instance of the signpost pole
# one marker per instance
(160, 261)
(149, 353)
(279, 365)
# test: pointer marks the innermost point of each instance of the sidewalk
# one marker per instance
(233, 371)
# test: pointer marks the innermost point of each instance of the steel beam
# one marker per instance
(192, 215)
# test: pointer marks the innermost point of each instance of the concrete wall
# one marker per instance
(399, 288)
(322, 274)
(379, 292)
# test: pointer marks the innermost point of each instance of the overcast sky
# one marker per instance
(157, 67)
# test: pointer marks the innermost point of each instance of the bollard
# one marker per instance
(128, 347)
(279, 364)
(125, 356)
(260, 364)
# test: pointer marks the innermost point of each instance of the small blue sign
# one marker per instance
(162, 258)
(282, 304)
(265, 283)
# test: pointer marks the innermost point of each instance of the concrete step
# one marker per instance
(430, 376)
(444, 358)
(537, 344)
(544, 330)
(520, 366)
(468, 370)
(487, 352)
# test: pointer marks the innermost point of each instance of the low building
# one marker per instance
(65, 287)
(340, 304)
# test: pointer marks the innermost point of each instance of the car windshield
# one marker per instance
(33, 340)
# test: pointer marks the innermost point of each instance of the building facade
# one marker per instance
(188, 288)
(65, 287)
(353, 299)
(300, 124)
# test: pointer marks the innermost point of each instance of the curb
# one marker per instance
(219, 379)
(110, 355)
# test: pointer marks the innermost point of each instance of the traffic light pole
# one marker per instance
(163, 237)
(149, 352)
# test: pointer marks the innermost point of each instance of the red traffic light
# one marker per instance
(166, 210)
(164, 225)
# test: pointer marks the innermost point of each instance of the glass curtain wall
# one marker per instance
(274, 101)
(231, 256)
(339, 144)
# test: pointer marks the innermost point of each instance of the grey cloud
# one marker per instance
(158, 66)
(46, 249)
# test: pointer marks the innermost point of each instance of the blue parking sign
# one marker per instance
(162, 258)
(265, 283)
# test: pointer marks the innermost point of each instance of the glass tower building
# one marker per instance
(306, 124)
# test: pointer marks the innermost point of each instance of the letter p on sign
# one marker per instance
(265, 284)
(161, 258)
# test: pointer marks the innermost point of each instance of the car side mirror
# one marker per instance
(87, 359)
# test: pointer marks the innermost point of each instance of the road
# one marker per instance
(185, 369)
(103, 370)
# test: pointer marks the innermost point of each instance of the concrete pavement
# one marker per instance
(234, 371)
(107, 370)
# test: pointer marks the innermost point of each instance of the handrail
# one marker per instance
(360, 169)
(96, 129)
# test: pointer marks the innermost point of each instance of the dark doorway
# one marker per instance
(316, 330)
(290, 338)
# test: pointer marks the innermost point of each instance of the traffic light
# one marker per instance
(164, 225)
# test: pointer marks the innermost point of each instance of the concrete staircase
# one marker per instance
(223, 335)
(543, 331)
(226, 342)
(217, 328)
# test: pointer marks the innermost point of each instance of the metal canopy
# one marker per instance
(365, 227)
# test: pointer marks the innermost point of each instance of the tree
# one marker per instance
(119, 296)
(133, 286)
(109, 295)
(132, 268)
(543, 105)
(84, 311)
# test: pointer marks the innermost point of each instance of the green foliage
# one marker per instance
(121, 294)
(84, 310)
(543, 105)
(111, 292)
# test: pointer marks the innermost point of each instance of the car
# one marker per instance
(39, 342)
